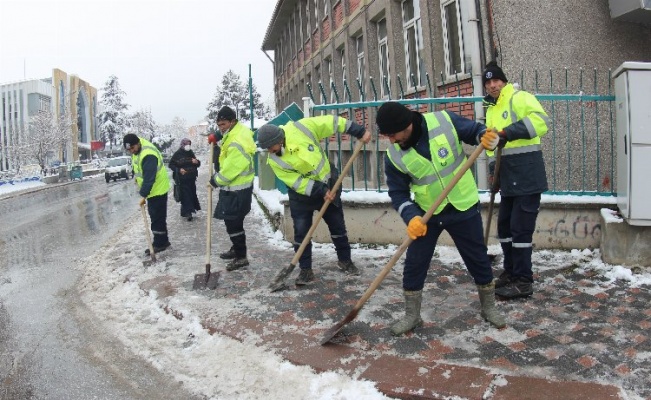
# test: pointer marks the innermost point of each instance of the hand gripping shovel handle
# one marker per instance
(403, 247)
(278, 282)
(151, 246)
(494, 184)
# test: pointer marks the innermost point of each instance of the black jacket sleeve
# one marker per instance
(469, 131)
(149, 169)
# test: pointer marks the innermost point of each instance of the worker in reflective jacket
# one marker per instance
(153, 182)
(297, 159)
(235, 180)
(520, 121)
(424, 156)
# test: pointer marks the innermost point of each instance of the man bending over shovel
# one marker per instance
(424, 156)
(296, 157)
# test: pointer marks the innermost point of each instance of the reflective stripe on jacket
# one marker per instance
(429, 177)
(523, 118)
(162, 181)
(513, 106)
(236, 159)
(304, 162)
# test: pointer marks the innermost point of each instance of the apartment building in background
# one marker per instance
(64, 96)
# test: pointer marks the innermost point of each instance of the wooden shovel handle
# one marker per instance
(405, 244)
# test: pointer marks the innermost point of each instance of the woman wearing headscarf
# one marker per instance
(184, 165)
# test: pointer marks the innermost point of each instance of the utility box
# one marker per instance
(633, 113)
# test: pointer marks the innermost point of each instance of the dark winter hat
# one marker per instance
(226, 113)
(129, 140)
(493, 71)
(393, 117)
(269, 135)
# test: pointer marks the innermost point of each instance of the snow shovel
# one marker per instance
(279, 281)
(151, 246)
(207, 280)
(494, 185)
(330, 333)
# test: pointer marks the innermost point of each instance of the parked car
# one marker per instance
(118, 167)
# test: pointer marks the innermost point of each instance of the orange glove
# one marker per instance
(142, 201)
(490, 139)
(416, 228)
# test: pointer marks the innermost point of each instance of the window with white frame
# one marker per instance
(452, 38)
(359, 46)
(308, 19)
(292, 37)
(342, 56)
(330, 79)
(344, 77)
(413, 39)
(383, 53)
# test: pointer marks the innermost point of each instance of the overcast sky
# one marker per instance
(169, 55)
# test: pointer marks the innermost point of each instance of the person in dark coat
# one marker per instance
(184, 166)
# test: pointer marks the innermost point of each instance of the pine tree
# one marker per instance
(113, 121)
(234, 93)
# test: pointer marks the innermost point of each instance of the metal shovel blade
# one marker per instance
(332, 332)
(206, 281)
(279, 281)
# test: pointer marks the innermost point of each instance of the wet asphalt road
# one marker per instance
(51, 345)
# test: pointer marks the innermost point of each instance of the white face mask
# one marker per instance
(186, 147)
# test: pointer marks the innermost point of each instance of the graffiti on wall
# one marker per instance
(581, 227)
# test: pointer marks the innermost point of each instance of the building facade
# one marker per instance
(76, 99)
(360, 50)
(446, 41)
(66, 97)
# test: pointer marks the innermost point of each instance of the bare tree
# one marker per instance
(42, 137)
(142, 124)
(63, 133)
(17, 150)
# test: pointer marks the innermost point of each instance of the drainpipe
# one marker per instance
(474, 47)
(273, 71)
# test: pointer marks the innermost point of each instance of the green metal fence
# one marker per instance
(579, 148)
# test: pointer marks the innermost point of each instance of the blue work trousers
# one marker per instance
(157, 208)
(465, 229)
(334, 218)
(516, 223)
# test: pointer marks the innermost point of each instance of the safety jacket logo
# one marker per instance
(443, 152)
(310, 148)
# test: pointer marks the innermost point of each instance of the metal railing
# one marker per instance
(579, 148)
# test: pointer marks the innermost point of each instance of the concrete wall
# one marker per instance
(622, 243)
(561, 224)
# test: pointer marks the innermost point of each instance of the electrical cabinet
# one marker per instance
(633, 115)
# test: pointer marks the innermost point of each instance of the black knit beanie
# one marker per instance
(393, 117)
(130, 139)
(226, 113)
(493, 71)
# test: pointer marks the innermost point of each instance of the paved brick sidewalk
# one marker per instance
(576, 338)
